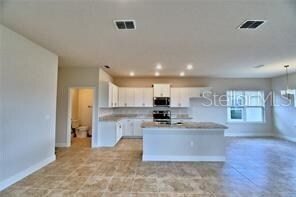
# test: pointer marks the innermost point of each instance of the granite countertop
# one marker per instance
(117, 117)
(186, 125)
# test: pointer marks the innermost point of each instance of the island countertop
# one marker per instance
(186, 125)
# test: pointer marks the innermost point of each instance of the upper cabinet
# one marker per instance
(180, 97)
(143, 97)
(126, 97)
(161, 90)
(111, 95)
(108, 94)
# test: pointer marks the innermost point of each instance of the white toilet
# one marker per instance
(81, 131)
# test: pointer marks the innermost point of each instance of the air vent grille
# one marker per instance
(251, 24)
(125, 24)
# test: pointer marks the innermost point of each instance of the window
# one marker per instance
(245, 106)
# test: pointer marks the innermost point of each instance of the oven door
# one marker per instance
(161, 102)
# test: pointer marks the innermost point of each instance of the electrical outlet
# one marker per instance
(191, 143)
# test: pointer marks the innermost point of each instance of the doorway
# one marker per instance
(80, 126)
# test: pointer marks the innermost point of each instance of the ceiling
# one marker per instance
(173, 33)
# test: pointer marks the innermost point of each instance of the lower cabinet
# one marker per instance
(110, 133)
(132, 127)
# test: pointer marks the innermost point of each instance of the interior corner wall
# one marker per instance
(28, 106)
(72, 77)
(284, 115)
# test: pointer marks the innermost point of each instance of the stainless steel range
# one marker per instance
(162, 116)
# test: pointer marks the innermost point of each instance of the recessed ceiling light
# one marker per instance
(158, 66)
(132, 74)
(182, 74)
(156, 74)
(189, 67)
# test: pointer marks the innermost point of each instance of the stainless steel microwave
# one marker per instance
(161, 101)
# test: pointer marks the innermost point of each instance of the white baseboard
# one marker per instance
(62, 145)
(292, 139)
(182, 158)
(248, 134)
(8, 182)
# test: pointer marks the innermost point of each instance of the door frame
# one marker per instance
(69, 128)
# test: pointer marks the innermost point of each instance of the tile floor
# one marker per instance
(254, 167)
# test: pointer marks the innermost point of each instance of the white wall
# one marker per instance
(284, 116)
(214, 113)
(28, 106)
(75, 102)
(72, 77)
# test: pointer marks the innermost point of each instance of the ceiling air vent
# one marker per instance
(125, 24)
(251, 24)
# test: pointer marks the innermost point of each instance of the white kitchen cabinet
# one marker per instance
(119, 130)
(161, 90)
(128, 128)
(108, 94)
(137, 128)
(179, 97)
(110, 133)
(132, 127)
(114, 95)
(143, 97)
(126, 97)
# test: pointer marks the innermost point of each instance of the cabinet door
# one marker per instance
(161, 90)
(122, 97)
(139, 97)
(184, 97)
(148, 97)
(128, 128)
(115, 95)
(166, 90)
(130, 97)
(156, 90)
(137, 128)
(110, 95)
(175, 98)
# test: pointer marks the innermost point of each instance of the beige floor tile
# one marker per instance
(95, 183)
(61, 193)
(120, 184)
(35, 193)
(89, 194)
(72, 183)
(254, 167)
(145, 185)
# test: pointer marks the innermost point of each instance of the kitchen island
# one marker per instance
(188, 141)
